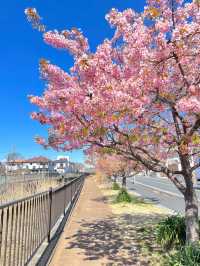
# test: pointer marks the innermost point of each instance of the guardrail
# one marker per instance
(26, 223)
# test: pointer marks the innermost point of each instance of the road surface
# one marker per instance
(160, 191)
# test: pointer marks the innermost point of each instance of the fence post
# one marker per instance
(71, 192)
(1, 230)
(65, 188)
(50, 213)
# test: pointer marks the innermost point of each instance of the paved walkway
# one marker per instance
(77, 245)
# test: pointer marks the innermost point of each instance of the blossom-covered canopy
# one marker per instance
(138, 94)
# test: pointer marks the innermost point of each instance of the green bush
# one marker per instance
(186, 256)
(115, 186)
(171, 232)
(123, 196)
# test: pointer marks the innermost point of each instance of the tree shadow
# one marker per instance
(151, 199)
(135, 199)
(102, 198)
(120, 240)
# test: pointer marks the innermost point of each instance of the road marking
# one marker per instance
(161, 190)
(157, 180)
(158, 189)
(165, 186)
(160, 182)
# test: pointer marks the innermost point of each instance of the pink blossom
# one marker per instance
(125, 94)
(72, 41)
(189, 104)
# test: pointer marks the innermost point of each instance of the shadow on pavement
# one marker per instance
(120, 240)
(101, 199)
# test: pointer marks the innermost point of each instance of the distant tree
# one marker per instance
(116, 166)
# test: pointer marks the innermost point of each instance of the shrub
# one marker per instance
(123, 196)
(170, 232)
(186, 256)
(115, 186)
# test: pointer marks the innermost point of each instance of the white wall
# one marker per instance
(30, 166)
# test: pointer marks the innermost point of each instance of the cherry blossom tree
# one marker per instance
(116, 166)
(137, 95)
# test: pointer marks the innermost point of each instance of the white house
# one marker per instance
(35, 164)
(61, 165)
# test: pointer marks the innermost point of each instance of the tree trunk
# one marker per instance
(191, 214)
(123, 181)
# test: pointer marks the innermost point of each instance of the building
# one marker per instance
(61, 164)
(76, 167)
(35, 164)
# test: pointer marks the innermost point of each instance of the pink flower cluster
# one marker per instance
(72, 41)
(126, 92)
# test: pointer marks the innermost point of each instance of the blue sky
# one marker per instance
(20, 51)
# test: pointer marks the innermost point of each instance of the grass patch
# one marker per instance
(123, 196)
(115, 186)
(136, 220)
(188, 255)
(136, 206)
(170, 232)
(17, 190)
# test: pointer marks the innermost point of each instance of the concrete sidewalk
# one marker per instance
(76, 245)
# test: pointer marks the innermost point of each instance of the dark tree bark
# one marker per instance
(123, 181)
(191, 212)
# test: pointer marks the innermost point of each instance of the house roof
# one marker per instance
(61, 160)
(39, 159)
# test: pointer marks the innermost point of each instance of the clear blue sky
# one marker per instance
(20, 51)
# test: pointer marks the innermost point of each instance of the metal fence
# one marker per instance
(26, 223)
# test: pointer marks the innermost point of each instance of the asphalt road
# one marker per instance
(160, 191)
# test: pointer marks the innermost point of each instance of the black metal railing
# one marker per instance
(26, 223)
